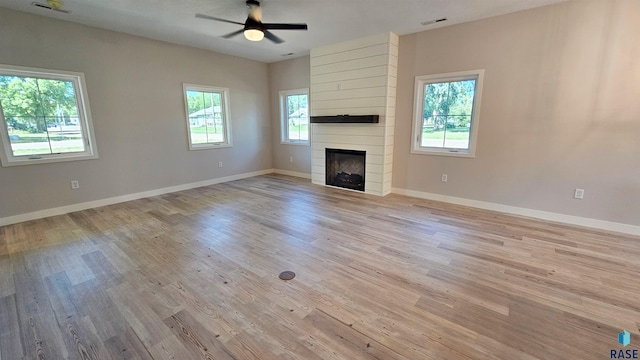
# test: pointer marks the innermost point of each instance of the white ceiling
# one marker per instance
(330, 21)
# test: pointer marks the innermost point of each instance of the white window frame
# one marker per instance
(284, 127)
(84, 113)
(420, 82)
(226, 120)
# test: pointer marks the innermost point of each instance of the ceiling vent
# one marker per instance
(49, 7)
(425, 23)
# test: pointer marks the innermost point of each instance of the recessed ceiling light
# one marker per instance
(424, 23)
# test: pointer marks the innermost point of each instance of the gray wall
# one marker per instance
(288, 75)
(135, 92)
(560, 109)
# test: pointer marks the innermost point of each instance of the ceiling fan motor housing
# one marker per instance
(252, 24)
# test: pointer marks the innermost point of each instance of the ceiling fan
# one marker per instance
(254, 29)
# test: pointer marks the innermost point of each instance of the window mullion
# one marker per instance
(44, 116)
(84, 126)
(446, 116)
(286, 117)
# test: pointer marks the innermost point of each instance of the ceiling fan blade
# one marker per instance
(232, 34)
(203, 16)
(285, 26)
(269, 35)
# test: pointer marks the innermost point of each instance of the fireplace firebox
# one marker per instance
(345, 168)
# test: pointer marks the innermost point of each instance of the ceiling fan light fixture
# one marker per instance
(55, 4)
(253, 34)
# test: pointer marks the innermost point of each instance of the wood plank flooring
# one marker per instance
(194, 275)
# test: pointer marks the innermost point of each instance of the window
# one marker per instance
(207, 117)
(446, 113)
(45, 117)
(294, 113)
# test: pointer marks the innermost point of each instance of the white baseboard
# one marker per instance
(544, 215)
(123, 198)
(538, 214)
(292, 173)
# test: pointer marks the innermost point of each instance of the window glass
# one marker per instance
(446, 116)
(207, 116)
(43, 116)
(295, 116)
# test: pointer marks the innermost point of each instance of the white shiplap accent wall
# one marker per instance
(390, 118)
(356, 77)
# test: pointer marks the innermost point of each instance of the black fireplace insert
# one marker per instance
(345, 168)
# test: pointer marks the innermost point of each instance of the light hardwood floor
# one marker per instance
(194, 275)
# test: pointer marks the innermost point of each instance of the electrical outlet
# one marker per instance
(579, 194)
(75, 184)
(219, 164)
(290, 159)
(444, 178)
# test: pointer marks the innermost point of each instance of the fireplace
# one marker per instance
(345, 168)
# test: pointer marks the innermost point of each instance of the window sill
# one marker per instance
(445, 152)
(209, 146)
(303, 143)
(46, 160)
